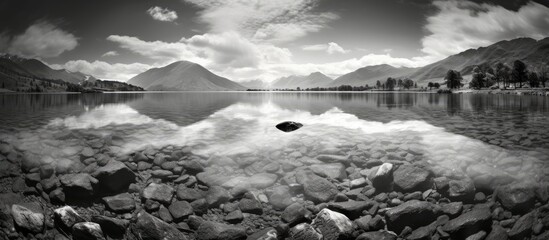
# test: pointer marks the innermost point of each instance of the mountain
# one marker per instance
(369, 75)
(254, 84)
(36, 68)
(183, 76)
(316, 79)
(530, 51)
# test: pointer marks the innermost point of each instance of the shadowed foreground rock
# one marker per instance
(289, 126)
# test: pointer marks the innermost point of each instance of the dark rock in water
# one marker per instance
(380, 235)
(410, 178)
(217, 195)
(523, 227)
(220, 231)
(123, 202)
(468, 223)
(518, 198)
(280, 197)
(114, 177)
(28, 216)
(294, 214)
(112, 227)
(289, 126)
(158, 192)
(88, 231)
(413, 213)
(151, 228)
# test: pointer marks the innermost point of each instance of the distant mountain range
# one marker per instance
(369, 75)
(32, 75)
(315, 79)
(183, 76)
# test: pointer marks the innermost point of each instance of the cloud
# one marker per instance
(104, 70)
(270, 21)
(162, 14)
(110, 54)
(41, 40)
(329, 48)
(460, 25)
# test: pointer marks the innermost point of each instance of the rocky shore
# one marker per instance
(173, 193)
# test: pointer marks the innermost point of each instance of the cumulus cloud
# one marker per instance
(110, 54)
(104, 70)
(329, 48)
(162, 14)
(460, 25)
(272, 21)
(42, 40)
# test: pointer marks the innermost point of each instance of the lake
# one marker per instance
(486, 137)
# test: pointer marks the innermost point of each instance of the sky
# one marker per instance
(258, 39)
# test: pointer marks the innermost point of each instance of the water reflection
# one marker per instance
(242, 134)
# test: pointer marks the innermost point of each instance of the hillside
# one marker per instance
(183, 76)
(369, 75)
(316, 79)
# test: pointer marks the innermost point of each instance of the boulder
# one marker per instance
(332, 225)
(87, 231)
(114, 177)
(351, 209)
(410, 178)
(288, 126)
(180, 210)
(28, 216)
(78, 185)
(469, 223)
(452, 209)
(461, 190)
(319, 190)
(382, 177)
(250, 206)
(380, 235)
(265, 234)
(220, 231)
(517, 198)
(304, 231)
(523, 227)
(123, 202)
(330, 170)
(158, 192)
(217, 195)
(413, 213)
(280, 197)
(112, 227)
(294, 214)
(151, 228)
(497, 233)
(65, 217)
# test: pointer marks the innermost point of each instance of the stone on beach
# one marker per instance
(469, 223)
(78, 185)
(28, 216)
(409, 178)
(66, 217)
(220, 231)
(382, 177)
(123, 202)
(152, 228)
(88, 231)
(319, 190)
(332, 225)
(517, 198)
(413, 213)
(158, 192)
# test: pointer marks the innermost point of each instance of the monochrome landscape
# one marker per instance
(265, 120)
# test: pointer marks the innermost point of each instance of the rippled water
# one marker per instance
(484, 136)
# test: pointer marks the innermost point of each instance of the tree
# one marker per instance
(400, 83)
(501, 74)
(390, 83)
(478, 80)
(430, 85)
(298, 89)
(408, 83)
(533, 80)
(436, 85)
(519, 74)
(543, 74)
(453, 79)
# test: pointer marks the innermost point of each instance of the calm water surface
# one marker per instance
(234, 131)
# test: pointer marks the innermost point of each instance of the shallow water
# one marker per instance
(483, 136)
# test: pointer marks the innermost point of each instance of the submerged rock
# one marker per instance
(289, 126)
